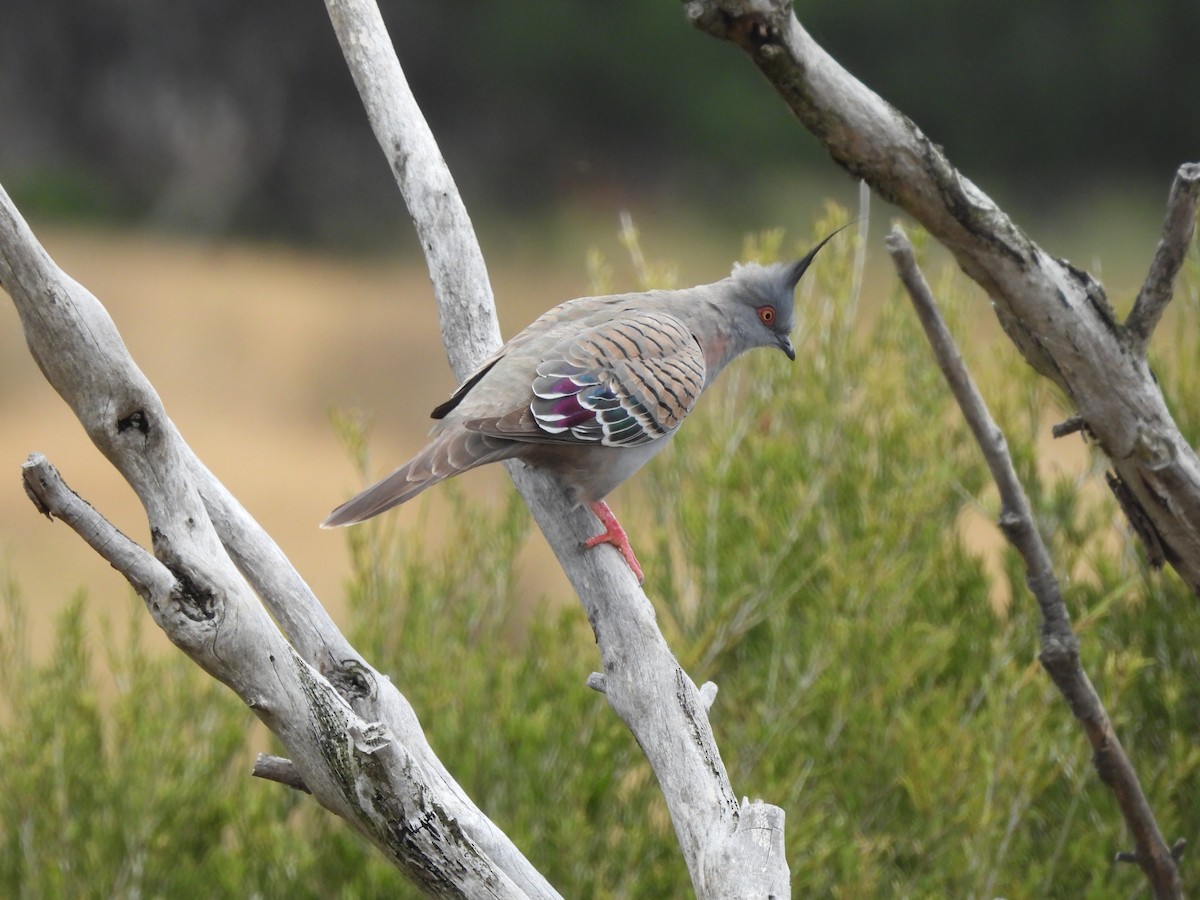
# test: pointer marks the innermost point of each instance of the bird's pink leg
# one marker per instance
(613, 534)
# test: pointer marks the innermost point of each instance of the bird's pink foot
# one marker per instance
(613, 534)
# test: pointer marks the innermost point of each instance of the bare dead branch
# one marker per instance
(643, 682)
(1060, 647)
(52, 497)
(1177, 850)
(1140, 523)
(1056, 314)
(276, 768)
(1071, 425)
(467, 312)
(372, 695)
(394, 793)
(1178, 228)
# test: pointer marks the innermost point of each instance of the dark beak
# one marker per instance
(785, 344)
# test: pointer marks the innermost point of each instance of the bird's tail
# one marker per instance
(448, 454)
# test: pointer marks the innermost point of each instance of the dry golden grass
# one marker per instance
(250, 347)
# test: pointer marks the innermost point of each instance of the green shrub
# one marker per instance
(811, 562)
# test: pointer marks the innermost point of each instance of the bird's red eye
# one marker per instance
(766, 315)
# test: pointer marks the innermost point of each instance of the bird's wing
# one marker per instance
(625, 382)
(444, 409)
(553, 321)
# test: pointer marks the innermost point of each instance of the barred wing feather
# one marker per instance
(623, 383)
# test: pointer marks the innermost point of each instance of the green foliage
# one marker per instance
(113, 798)
(1175, 352)
(868, 684)
(499, 680)
(142, 788)
(875, 680)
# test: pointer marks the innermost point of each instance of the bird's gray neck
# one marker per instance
(716, 328)
(707, 313)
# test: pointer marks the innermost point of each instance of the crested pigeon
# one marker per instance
(595, 387)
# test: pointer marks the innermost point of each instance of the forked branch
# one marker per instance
(377, 772)
(1056, 314)
(1060, 647)
(353, 740)
(1178, 228)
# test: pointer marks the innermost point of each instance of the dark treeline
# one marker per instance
(223, 115)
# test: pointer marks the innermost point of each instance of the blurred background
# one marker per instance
(221, 117)
(205, 167)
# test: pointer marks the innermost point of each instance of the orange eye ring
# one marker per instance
(766, 315)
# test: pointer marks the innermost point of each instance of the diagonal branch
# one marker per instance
(1178, 228)
(50, 494)
(1060, 647)
(1056, 314)
(280, 770)
(353, 739)
(644, 683)
(466, 310)
(370, 765)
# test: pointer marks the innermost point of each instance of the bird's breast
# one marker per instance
(592, 471)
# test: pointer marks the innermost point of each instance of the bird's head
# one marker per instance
(765, 296)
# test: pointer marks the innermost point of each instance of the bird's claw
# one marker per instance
(614, 534)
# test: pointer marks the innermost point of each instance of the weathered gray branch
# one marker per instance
(470, 329)
(1060, 647)
(1178, 229)
(350, 734)
(368, 762)
(643, 682)
(1057, 315)
(50, 494)
(278, 769)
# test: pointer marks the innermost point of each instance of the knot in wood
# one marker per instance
(351, 679)
(136, 419)
(754, 31)
(1156, 451)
